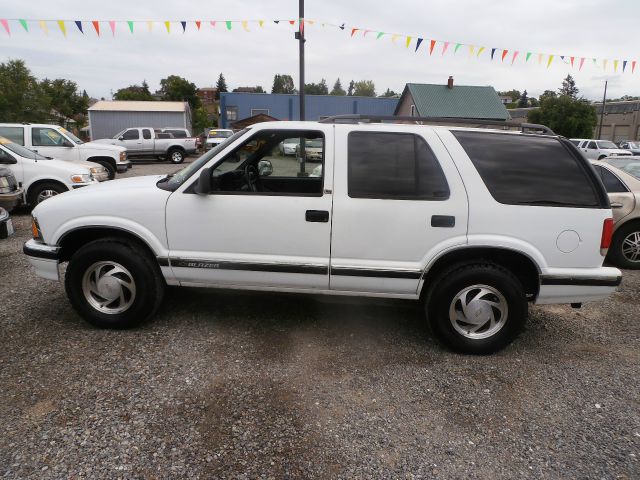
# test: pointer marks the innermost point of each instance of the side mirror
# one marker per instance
(67, 143)
(204, 185)
(121, 138)
(6, 159)
(265, 168)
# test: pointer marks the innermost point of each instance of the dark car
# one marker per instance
(10, 192)
(634, 147)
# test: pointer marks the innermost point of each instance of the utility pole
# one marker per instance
(604, 104)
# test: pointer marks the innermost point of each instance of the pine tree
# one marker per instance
(337, 89)
(569, 87)
(352, 85)
(523, 102)
(221, 86)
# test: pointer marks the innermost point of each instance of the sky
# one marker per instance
(582, 28)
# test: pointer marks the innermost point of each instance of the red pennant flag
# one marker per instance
(112, 26)
(198, 22)
(353, 31)
(213, 24)
(572, 59)
(292, 22)
(444, 47)
(581, 64)
(515, 55)
(432, 45)
(504, 54)
(633, 66)
(96, 25)
(5, 24)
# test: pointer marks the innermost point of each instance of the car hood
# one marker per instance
(616, 151)
(104, 145)
(72, 167)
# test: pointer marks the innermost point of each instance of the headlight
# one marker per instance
(35, 229)
(97, 170)
(80, 178)
(123, 156)
(4, 185)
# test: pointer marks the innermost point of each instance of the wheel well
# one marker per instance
(519, 264)
(109, 160)
(72, 241)
(176, 147)
(635, 223)
(40, 182)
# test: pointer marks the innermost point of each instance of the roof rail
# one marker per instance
(356, 118)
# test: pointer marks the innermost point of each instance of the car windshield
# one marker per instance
(219, 134)
(634, 145)
(178, 178)
(71, 136)
(20, 150)
(606, 144)
(119, 134)
(629, 165)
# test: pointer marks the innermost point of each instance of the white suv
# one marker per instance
(474, 223)
(598, 149)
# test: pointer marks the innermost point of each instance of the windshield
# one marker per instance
(634, 145)
(71, 136)
(220, 133)
(20, 150)
(119, 134)
(606, 144)
(178, 178)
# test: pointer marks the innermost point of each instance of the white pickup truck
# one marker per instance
(56, 142)
(150, 142)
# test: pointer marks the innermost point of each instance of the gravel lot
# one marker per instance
(247, 385)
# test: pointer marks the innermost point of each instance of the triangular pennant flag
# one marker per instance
(24, 25)
(112, 26)
(341, 27)
(261, 23)
(63, 27)
(394, 37)
(633, 66)
(432, 45)
(615, 65)
(581, 64)
(310, 22)
(96, 26)
(472, 48)
(275, 21)
(408, 42)
(292, 22)
(184, 25)
(130, 23)
(444, 47)
(213, 24)
(5, 24)
(562, 58)
(539, 58)
(527, 57)
(571, 59)
(245, 26)
(504, 54)
(624, 65)
(515, 55)
(480, 50)
(44, 27)
(379, 36)
(595, 62)
(418, 42)
(198, 24)
(365, 33)
(549, 61)
(229, 25)
(79, 25)
(353, 31)
(604, 63)
(167, 25)
(455, 50)
(493, 52)
(149, 25)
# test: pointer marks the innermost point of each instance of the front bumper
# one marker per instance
(577, 285)
(12, 199)
(44, 258)
(123, 166)
(100, 177)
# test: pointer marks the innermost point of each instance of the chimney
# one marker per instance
(450, 82)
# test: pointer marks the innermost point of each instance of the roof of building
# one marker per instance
(138, 106)
(461, 101)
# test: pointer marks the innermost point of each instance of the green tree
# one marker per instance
(337, 89)
(259, 89)
(514, 94)
(364, 88)
(199, 120)
(533, 102)
(390, 93)
(317, 88)
(64, 97)
(176, 88)
(547, 94)
(283, 84)
(21, 97)
(221, 86)
(523, 101)
(134, 92)
(566, 116)
(569, 87)
(352, 85)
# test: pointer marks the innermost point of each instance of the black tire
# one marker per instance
(450, 283)
(109, 167)
(616, 255)
(36, 193)
(175, 155)
(145, 273)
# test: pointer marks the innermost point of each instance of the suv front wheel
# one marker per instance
(113, 284)
(477, 308)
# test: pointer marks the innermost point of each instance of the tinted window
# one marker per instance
(146, 134)
(15, 134)
(394, 166)
(611, 182)
(131, 135)
(522, 169)
(575, 142)
(177, 133)
(47, 137)
(592, 145)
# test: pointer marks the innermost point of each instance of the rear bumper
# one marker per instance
(577, 285)
(10, 200)
(44, 258)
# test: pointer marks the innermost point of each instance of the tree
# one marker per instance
(364, 88)
(547, 94)
(259, 89)
(176, 88)
(283, 84)
(523, 102)
(221, 86)
(533, 102)
(569, 87)
(514, 94)
(573, 118)
(390, 93)
(337, 89)
(21, 97)
(199, 120)
(134, 92)
(64, 97)
(352, 85)
(317, 88)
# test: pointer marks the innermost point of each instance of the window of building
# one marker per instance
(259, 111)
(395, 166)
(413, 110)
(529, 170)
(232, 113)
(15, 134)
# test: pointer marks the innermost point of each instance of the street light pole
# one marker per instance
(300, 37)
(604, 103)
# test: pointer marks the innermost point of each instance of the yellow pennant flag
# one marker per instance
(480, 50)
(472, 49)
(549, 61)
(63, 27)
(149, 25)
(261, 23)
(615, 65)
(408, 42)
(394, 37)
(245, 25)
(167, 24)
(43, 26)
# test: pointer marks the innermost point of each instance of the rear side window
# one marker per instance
(527, 170)
(15, 134)
(177, 133)
(610, 181)
(397, 166)
(146, 134)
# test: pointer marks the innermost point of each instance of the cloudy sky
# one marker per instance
(584, 28)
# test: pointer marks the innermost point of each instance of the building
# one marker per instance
(506, 99)
(449, 101)
(235, 106)
(207, 95)
(621, 120)
(108, 118)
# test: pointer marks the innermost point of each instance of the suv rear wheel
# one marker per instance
(477, 308)
(113, 284)
(625, 247)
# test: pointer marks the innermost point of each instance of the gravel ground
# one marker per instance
(247, 385)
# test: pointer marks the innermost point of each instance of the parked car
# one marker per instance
(474, 224)
(6, 226)
(630, 165)
(624, 193)
(43, 177)
(289, 146)
(312, 150)
(598, 149)
(10, 191)
(216, 136)
(56, 142)
(633, 147)
(149, 142)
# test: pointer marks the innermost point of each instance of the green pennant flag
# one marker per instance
(228, 24)
(130, 23)
(455, 50)
(379, 36)
(528, 55)
(24, 24)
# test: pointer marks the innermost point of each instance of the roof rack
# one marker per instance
(357, 118)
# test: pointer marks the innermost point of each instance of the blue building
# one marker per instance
(236, 106)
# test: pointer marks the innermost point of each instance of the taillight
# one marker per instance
(607, 233)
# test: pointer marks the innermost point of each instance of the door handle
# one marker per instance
(446, 221)
(616, 205)
(316, 216)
